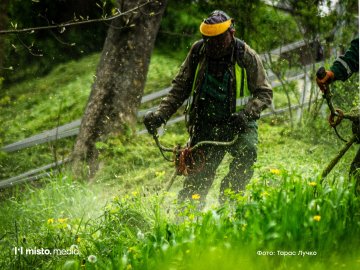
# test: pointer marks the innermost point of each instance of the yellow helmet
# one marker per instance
(217, 23)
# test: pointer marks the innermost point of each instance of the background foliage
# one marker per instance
(36, 53)
(261, 26)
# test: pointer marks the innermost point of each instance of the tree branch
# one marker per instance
(72, 23)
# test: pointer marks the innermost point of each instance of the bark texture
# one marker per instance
(3, 25)
(120, 79)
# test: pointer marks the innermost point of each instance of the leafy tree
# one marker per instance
(44, 49)
(180, 25)
(120, 80)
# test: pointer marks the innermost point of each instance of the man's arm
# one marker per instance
(344, 66)
(181, 86)
(258, 84)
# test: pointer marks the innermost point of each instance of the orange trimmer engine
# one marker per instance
(188, 161)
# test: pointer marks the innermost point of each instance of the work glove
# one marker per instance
(324, 78)
(152, 121)
(239, 121)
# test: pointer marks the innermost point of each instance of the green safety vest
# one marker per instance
(242, 91)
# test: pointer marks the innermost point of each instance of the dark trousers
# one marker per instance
(243, 151)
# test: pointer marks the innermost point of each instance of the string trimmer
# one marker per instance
(335, 118)
(188, 159)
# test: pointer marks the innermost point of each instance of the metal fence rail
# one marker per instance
(31, 175)
(72, 129)
(44, 170)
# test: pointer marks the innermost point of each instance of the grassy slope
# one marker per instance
(132, 166)
(33, 106)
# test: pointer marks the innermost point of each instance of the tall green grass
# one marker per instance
(128, 222)
(282, 221)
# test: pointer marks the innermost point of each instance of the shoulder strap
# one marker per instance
(198, 52)
(240, 72)
(239, 51)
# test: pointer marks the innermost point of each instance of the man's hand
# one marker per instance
(239, 120)
(152, 121)
(324, 78)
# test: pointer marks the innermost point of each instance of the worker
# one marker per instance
(342, 69)
(226, 86)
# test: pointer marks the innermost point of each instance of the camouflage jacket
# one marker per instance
(247, 58)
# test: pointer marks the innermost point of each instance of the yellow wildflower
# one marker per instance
(195, 196)
(159, 174)
(313, 184)
(50, 221)
(62, 220)
(135, 193)
(317, 218)
(275, 171)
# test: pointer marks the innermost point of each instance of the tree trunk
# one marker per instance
(3, 25)
(120, 79)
